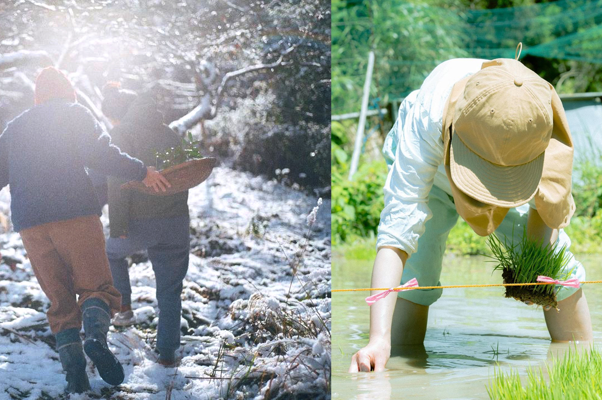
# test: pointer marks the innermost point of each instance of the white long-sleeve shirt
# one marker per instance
(414, 151)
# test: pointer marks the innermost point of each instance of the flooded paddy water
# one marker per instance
(470, 333)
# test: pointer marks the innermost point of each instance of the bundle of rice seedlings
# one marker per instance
(524, 262)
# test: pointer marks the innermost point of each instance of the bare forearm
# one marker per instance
(386, 273)
(538, 230)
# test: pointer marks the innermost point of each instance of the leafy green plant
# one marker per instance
(189, 150)
(578, 376)
(587, 190)
(524, 261)
(462, 240)
(357, 204)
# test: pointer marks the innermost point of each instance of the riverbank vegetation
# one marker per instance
(407, 47)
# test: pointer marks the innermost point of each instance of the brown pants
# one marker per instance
(69, 260)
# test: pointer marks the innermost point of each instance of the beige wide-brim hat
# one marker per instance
(507, 141)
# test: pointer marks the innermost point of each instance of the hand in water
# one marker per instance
(373, 357)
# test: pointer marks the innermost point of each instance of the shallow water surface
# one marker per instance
(470, 332)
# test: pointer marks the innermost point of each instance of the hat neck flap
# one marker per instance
(553, 199)
(482, 218)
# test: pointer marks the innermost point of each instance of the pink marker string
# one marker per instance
(379, 296)
(573, 282)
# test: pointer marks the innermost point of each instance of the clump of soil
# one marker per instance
(527, 293)
(523, 261)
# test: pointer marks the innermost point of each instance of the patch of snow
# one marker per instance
(255, 305)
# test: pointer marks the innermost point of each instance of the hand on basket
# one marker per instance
(156, 180)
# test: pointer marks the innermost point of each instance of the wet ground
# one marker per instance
(471, 332)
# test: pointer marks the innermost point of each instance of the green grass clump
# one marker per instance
(576, 377)
(356, 248)
(524, 262)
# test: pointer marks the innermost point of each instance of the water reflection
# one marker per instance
(373, 386)
(471, 332)
(414, 356)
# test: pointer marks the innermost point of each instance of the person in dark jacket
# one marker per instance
(43, 155)
(101, 187)
(158, 224)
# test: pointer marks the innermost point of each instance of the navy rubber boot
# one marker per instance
(96, 316)
(71, 354)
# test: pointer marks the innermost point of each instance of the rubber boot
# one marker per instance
(71, 354)
(96, 316)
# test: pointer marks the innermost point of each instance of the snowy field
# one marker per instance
(256, 306)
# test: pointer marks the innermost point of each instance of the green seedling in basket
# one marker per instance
(189, 150)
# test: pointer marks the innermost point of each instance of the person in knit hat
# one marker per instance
(486, 140)
(43, 156)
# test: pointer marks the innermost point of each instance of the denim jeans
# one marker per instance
(167, 241)
(425, 265)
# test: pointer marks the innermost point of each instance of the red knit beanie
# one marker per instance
(53, 84)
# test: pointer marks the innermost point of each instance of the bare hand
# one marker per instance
(156, 180)
(373, 357)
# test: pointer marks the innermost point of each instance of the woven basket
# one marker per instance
(181, 177)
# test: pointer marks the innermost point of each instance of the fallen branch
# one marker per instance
(19, 335)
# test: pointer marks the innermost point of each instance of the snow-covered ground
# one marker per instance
(256, 306)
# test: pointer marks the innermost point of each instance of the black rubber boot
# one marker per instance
(71, 354)
(96, 316)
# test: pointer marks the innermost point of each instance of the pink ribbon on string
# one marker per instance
(573, 282)
(376, 297)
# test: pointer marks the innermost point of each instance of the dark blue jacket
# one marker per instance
(142, 134)
(43, 153)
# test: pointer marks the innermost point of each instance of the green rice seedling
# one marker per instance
(578, 376)
(523, 262)
(190, 150)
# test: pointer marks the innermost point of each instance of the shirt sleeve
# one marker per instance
(98, 153)
(418, 154)
(119, 208)
(119, 200)
(4, 151)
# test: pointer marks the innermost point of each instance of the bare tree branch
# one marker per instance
(8, 60)
(204, 110)
(65, 50)
(237, 73)
(43, 5)
(236, 6)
